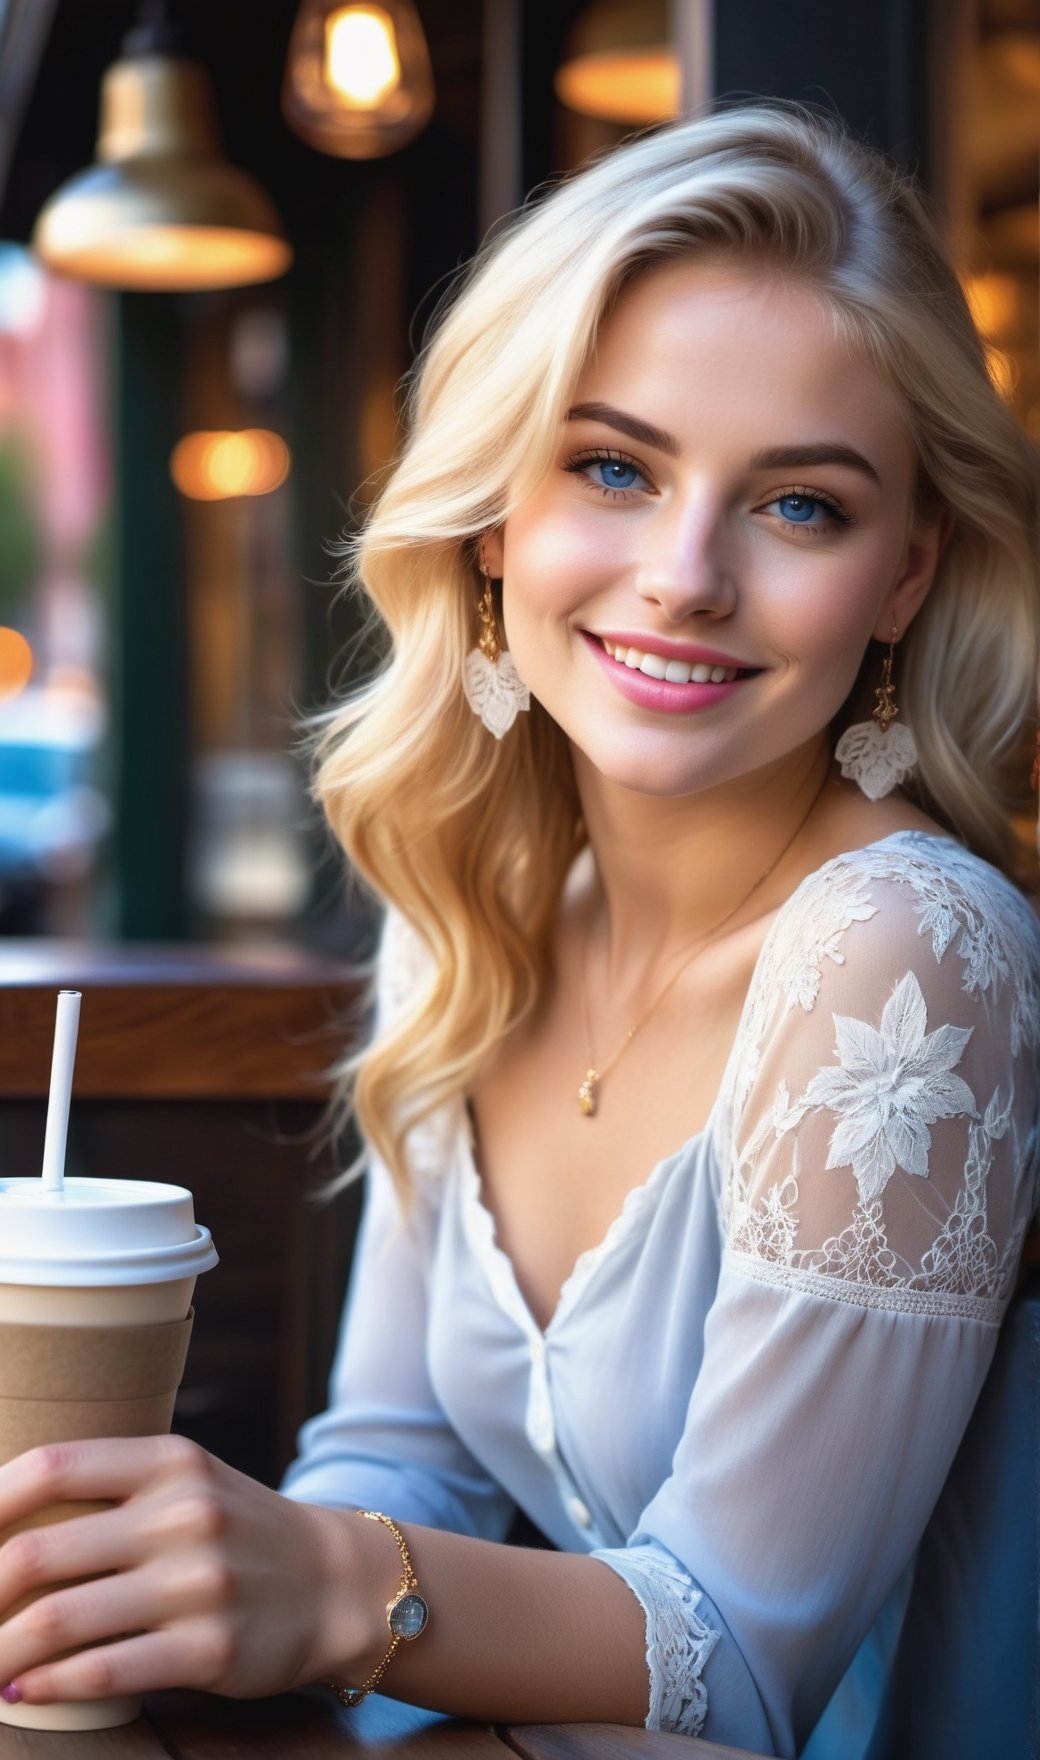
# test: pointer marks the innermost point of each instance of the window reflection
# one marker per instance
(54, 580)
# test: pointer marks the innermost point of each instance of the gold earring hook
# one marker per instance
(487, 641)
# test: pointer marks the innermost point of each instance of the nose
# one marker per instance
(687, 566)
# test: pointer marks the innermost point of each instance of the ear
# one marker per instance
(929, 537)
(494, 552)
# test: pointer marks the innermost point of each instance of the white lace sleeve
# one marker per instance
(879, 1164)
(885, 1138)
(679, 1641)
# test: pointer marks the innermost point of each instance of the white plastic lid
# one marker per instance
(100, 1232)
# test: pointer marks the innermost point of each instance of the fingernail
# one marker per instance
(11, 1693)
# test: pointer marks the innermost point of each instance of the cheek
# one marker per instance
(824, 609)
(552, 553)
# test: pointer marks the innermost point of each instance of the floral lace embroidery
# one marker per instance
(791, 965)
(985, 927)
(890, 1087)
(890, 1083)
(964, 1264)
(964, 1256)
(678, 1641)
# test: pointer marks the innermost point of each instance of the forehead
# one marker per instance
(690, 344)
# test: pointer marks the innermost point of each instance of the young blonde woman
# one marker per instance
(702, 1100)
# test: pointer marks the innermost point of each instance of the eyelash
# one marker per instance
(606, 455)
(819, 498)
(581, 461)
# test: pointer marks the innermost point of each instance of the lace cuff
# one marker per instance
(678, 1643)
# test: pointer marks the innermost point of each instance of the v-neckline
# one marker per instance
(482, 1226)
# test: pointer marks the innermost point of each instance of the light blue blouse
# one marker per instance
(750, 1394)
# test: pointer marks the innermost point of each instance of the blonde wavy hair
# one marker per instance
(469, 838)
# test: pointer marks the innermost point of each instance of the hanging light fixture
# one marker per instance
(160, 209)
(358, 80)
(618, 64)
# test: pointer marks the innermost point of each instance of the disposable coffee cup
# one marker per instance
(96, 1281)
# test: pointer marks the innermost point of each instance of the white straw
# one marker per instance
(65, 1030)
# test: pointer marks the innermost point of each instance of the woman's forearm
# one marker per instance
(198, 1576)
(513, 1633)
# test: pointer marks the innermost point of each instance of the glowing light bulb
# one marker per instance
(358, 79)
(361, 60)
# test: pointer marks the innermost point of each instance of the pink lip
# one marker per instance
(667, 650)
(657, 693)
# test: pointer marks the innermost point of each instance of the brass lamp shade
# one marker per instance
(161, 209)
(618, 65)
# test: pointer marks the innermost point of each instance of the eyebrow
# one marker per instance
(827, 452)
(773, 458)
(626, 424)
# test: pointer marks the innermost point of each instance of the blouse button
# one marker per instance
(537, 1350)
(578, 1512)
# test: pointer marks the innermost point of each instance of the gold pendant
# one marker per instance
(587, 1093)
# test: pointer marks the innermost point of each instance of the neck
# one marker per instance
(667, 872)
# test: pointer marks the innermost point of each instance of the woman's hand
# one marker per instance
(203, 1577)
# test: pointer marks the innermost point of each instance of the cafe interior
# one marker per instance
(224, 231)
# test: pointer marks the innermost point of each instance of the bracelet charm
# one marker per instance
(407, 1614)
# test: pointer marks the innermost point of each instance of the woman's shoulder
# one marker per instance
(912, 899)
(921, 858)
(935, 879)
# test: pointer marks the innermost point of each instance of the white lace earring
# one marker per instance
(877, 754)
(494, 689)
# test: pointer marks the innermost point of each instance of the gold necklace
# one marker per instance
(588, 1096)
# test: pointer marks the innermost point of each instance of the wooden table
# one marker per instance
(311, 1726)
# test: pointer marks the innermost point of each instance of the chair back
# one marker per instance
(966, 1681)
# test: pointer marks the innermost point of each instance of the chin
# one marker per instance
(647, 769)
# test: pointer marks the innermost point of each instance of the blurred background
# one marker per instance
(223, 229)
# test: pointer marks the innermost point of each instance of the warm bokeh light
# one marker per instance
(994, 300)
(623, 85)
(1002, 370)
(362, 65)
(16, 662)
(217, 465)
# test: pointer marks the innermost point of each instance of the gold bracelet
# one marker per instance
(406, 1615)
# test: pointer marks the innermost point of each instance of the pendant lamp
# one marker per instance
(619, 65)
(161, 209)
(358, 79)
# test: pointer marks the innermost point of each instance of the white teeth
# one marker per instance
(673, 671)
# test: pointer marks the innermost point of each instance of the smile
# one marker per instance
(666, 686)
(672, 671)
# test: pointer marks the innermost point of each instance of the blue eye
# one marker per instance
(608, 471)
(614, 473)
(799, 509)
